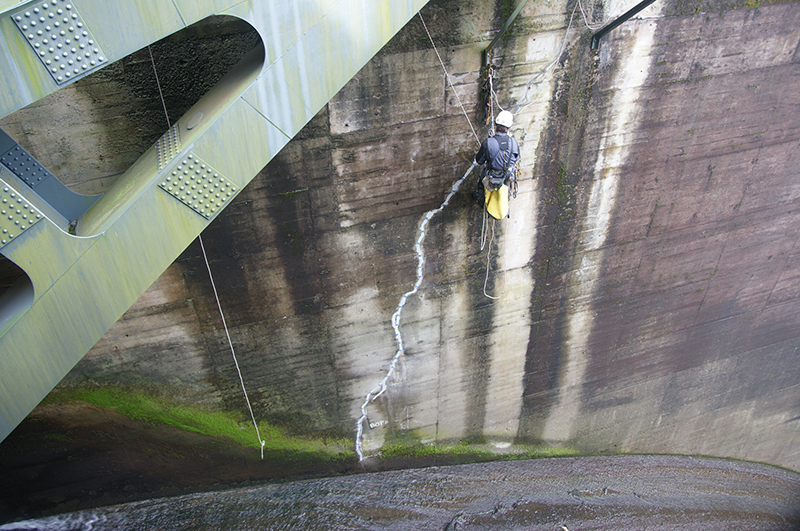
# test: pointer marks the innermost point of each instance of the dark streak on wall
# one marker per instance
(563, 182)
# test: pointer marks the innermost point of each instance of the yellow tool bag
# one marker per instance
(497, 202)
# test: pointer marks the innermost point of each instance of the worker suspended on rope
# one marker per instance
(500, 156)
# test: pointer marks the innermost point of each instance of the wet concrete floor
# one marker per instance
(576, 494)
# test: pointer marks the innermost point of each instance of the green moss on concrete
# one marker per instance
(139, 405)
(290, 195)
(475, 452)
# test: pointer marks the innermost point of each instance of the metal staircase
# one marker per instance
(87, 259)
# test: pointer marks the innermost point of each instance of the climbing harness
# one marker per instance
(379, 389)
(494, 101)
(494, 179)
(261, 441)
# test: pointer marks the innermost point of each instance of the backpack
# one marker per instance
(493, 179)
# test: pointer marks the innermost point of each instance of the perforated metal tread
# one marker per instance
(60, 39)
(23, 165)
(198, 186)
(16, 214)
(168, 146)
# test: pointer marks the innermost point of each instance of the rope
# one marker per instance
(488, 263)
(447, 76)
(158, 84)
(230, 344)
(537, 78)
(484, 234)
(585, 21)
(483, 225)
(491, 107)
(213, 285)
(379, 389)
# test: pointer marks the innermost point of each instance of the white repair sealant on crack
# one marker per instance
(379, 389)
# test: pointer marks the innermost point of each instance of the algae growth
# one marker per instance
(230, 425)
(470, 452)
(235, 428)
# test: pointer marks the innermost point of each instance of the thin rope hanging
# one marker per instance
(491, 105)
(213, 285)
(594, 27)
(491, 132)
(230, 344)
(158, 84)
(447, 76)
(539, 75)
(488, 264)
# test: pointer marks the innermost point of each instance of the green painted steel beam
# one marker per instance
(78, 284)
(6, 5)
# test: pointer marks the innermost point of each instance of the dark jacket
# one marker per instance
(491, 151)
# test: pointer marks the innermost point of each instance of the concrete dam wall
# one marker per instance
(647, 276)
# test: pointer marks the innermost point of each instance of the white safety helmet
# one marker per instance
(505, 119)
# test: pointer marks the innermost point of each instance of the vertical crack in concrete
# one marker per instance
(379, 389)
(614, 146)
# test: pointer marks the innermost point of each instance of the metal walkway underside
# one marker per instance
(88, 259)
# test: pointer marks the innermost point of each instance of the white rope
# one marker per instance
(230, 344)
(379, 389)
(491, 107)
(447, 76)
(488, 263)
(585, 21)
(539, 75)
(213, 286)
(497, 102)
(158, 84)
(484, 217)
